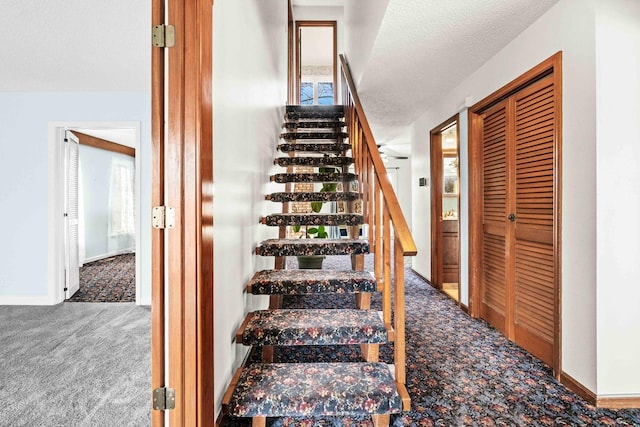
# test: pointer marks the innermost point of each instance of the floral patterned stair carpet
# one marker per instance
(460, 371)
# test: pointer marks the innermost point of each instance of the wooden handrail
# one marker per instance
(403, 234)
(383, 214)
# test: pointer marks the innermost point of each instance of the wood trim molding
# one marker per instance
(188, 169)
(618, 402)
(422, 277)
(291, 67)
(298, 71)
(157, 199)
(630, 402)
(103, 144)
(576, 387)
(436, 152)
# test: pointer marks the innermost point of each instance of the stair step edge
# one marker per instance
(291, 327)
(307, 247)
(330, 219)
(305, 282)
(284, 197)
(297, 390)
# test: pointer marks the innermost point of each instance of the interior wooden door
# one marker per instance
(534, 280)
(519, 292)
(494, 227)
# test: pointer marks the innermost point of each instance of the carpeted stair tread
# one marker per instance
(314, 389)
(333, 147)
(295, 112)
(282, 219)
(314, 124)
(305, 282)
(306, 247)
(289, 136)
(282, 178)
(283, 197)
(313, 327)
(313, 161)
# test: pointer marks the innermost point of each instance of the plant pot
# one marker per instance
(310, 262)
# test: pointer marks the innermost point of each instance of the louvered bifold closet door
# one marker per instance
(534, 288)
(494, 274)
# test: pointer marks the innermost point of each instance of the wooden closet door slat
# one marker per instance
(494, 293)
(534, 288)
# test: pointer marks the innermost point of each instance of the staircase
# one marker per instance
(314, 137)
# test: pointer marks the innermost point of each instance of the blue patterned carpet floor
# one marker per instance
(108, 280)
(460, 371)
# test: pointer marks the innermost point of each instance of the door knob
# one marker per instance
(511, 217)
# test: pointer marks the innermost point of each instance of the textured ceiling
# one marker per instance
(75, 45)
(426, 48)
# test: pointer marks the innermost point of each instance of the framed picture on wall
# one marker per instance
(450, 175)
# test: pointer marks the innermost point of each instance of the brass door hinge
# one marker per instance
(164, 398)
(164, 217)
(164, 36)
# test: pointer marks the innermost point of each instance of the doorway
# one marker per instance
(128, 136)
(316, 63)
(445, 208)
(107, 212)
(515, 180)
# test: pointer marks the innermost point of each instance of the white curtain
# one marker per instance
(122, 198)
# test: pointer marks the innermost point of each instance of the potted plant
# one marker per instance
(315, 261)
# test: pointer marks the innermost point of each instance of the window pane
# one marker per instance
(306, 93)
(325, 93)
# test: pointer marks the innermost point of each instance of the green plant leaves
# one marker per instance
(316, 206)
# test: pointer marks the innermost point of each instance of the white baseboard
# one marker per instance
(109, 255)
(26, 300)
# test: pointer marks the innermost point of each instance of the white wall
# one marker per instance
(95, 174)
(70, 75)
(618, 211)
(403, 188)
(568, 26)
(24, 276)
(249, 93)
(362, 19)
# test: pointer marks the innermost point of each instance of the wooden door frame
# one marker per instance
(550, 65)
(334, 25)
(291, 68)
(183, 179)
(436, 166)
